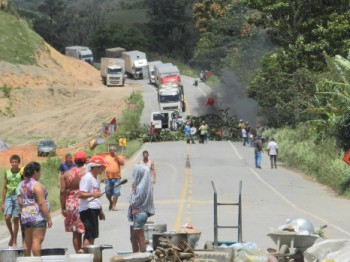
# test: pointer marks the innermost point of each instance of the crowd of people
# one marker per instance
(25, 200)
(258, 142)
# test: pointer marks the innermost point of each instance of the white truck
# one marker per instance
(112, 71)
(135, 64)
(80, 52)
(159, 70)
(171, 98)
(151, 71)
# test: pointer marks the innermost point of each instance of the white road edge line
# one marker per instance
(286, 199)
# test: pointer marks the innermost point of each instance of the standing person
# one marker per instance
(141, 206)
(203, 132)
(153, 133)
(113, 177)
(258, 149)
(20, 204)
(244, 136)
(150, 164)
(35, 209)
(272, 151)
(188, 134)
(90, 207)
(69, 198)
(12, 179)
(65, 166)
(240, 124)
(248, 132)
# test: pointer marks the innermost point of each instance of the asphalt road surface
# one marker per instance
(183, 192)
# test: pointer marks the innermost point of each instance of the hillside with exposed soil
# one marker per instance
(60, 98)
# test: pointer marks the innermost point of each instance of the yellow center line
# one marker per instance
(187, 174)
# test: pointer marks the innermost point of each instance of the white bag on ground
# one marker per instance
(336, 249)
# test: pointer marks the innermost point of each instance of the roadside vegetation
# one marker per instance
(19, 48)
(318, 157)
(297, 72)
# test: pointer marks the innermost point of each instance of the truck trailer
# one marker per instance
(151, 71)
(80, 52)
(112, 71)
(135, 64)
(115, 52)
(167, 73)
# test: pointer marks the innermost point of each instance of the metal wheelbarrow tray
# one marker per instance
(293, 240)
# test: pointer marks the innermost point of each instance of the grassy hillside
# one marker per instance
(18, 42)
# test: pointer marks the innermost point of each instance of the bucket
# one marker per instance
(28, 259)
(81, 258)
(151, 229)
(59, 258)
(53, 251)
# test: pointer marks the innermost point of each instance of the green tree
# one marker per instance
(50, 24)
(303, 30)
(330, 105)
(118, 35)
(221, 25)
(171, 29)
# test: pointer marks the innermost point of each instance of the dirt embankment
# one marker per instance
(60, 98)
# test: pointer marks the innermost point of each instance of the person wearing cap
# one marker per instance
(113, 177)
(203, 132)
(90, 207)
(69, 198)
(241, 124)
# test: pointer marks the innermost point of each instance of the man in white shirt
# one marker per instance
(272, 150)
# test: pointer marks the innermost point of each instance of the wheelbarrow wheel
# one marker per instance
(209, 245)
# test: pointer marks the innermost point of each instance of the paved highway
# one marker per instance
(183, 193)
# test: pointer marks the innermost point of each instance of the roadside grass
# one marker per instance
(318, 158)
(18, 47)
(130, 121)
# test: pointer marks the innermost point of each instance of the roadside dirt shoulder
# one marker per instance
(60, 98)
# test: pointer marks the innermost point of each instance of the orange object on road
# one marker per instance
(346, 157)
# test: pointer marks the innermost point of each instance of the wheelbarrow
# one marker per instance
(216, 243)
(291, 245)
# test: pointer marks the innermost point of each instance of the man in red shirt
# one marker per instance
(113, 177)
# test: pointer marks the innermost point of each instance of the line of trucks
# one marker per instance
(119, 63)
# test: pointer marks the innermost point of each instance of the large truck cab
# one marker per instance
(114, 75)
(80, 52)
(112, 71)
(170, 99)
(86, 55)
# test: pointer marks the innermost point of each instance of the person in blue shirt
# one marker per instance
(64, 166)
(188, 133)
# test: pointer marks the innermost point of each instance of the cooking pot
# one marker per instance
(96, 251)
(10, 254)
(53, 251)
